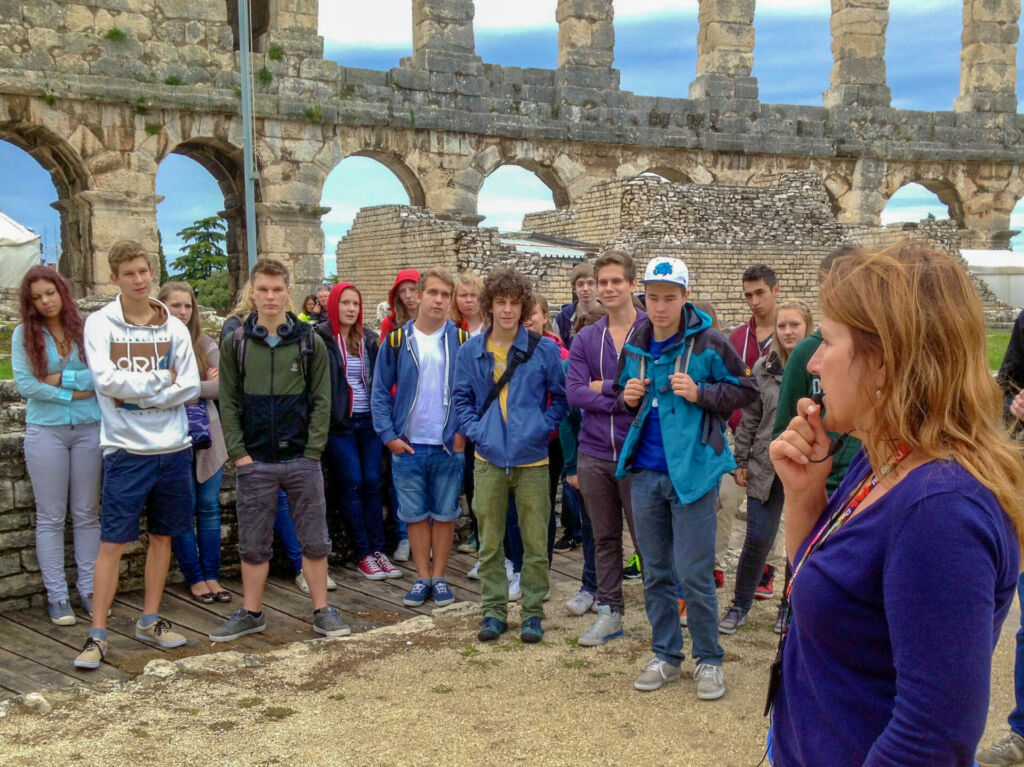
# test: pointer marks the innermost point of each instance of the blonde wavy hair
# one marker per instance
(916, 310)
(805, 311)
(469, 280)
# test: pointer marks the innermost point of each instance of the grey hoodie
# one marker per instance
(141, 410)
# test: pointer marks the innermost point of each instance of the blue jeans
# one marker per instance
(284, 530)
(428, 483)
(160, 486)
(1017, 717)
(204, 564)
(762, 527)
(677, 541)
(354, 458)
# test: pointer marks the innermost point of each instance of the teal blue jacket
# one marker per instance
(52, 405)
(692, 433)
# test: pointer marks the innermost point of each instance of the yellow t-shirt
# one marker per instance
(500, 354)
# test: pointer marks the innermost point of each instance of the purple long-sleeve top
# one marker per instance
(592, 357)
(895, 618)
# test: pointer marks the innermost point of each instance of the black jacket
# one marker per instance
(1011, 373)
(341, 392)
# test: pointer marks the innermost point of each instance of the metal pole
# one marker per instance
(249, 170)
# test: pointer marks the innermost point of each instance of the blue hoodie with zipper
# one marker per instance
(400, 368)
(536, 401)
(692, 433)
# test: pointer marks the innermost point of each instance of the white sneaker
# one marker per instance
(580, 603)
(474, 573)
(402, 551)
(515, 588)
(657, 673)
(710, 682)
(300, 581)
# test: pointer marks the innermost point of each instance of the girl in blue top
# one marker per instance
(62, 434)
(887, 659)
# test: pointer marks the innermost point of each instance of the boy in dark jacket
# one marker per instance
(681, 379)
(275, 409)
(511, 428)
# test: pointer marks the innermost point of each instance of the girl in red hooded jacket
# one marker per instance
(353, 448)
(404, 300)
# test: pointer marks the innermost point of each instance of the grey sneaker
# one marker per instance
(1004, 753)
(240, 624)
(580, 603)
(92, 653)
(61, 613)
(329, 623)
(474, 572)
(733, 619)
(710, 682)
(657, 673)
(402, 552)
(607, 626)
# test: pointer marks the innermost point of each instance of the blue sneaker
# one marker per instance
(441, 593)
(417, 594)
(491, 629)
(532, 631)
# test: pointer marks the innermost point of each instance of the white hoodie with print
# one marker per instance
(142, 411)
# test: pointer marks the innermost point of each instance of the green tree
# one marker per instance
(202, 253)
(161, 257)
(213, 291)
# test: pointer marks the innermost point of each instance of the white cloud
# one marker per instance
(388, 23)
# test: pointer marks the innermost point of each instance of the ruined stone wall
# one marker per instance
(386, 238)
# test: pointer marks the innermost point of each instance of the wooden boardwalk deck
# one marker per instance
(36, 655)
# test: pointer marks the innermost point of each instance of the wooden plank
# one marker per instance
(351, 584)
(20, 675)
(345, 599)
(48, 652)
(298, 606)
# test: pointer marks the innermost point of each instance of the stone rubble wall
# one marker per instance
(387, 238)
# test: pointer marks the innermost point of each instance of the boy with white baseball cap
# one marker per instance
(681, 379)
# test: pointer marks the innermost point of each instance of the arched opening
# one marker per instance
(788, 73)
(46, 198)
(363, 180)
(1017, 226)
(517, 34)
(668, 174)
(201, 185)
(367, 35)
(512, 191)
(259, 21)
(921, 200)
(656, 47)
(922, 65)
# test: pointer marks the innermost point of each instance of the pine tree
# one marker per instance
(202, 253)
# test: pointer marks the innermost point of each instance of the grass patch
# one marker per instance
(482, 664)
(152, 129)
(514, 646)
(996, 343)
(599, 674)
(443, 689)
(337, 696)
(278, 712)
(469, 651)
(572, 641)
(265, 76)
(249, 702)
(578, 663)
(6, 373)
(276, 52)
(138, 732)
(224, 725)
(174, 80)
(115, 35)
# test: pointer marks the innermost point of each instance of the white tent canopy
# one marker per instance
(20, 250)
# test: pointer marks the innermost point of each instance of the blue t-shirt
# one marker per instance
(650, 452)
(888, 658)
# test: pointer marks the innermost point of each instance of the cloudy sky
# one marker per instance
(655, 52)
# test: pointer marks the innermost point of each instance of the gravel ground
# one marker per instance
(425, 692)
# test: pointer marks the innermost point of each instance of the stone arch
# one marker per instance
(397, 165)
(72, 181)
(552, 171)
(945, 190)
(669, 174)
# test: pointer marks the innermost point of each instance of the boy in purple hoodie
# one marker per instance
(593, 360)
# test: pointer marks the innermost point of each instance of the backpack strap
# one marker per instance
(463, 336)
(238, 340)
(396, 338)
(516, 359)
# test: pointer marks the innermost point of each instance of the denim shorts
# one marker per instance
(162, 485)
(428, 483)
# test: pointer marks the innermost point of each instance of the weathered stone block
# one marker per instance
(10, 563)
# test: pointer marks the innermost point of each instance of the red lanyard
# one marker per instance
(842, 516)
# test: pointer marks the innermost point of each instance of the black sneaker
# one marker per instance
(491, 629)
(566, 543)
(633, 569)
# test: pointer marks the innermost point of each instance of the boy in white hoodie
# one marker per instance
(144, 369)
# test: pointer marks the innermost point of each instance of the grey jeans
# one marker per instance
(65, 464)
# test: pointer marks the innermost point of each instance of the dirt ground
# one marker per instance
(425, 692)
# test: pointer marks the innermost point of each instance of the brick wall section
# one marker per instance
(387, 238)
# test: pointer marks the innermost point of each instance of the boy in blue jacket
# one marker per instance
(510, 396)
(419, 427)
(681, 379)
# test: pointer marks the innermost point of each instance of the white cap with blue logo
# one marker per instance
(671, 270)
